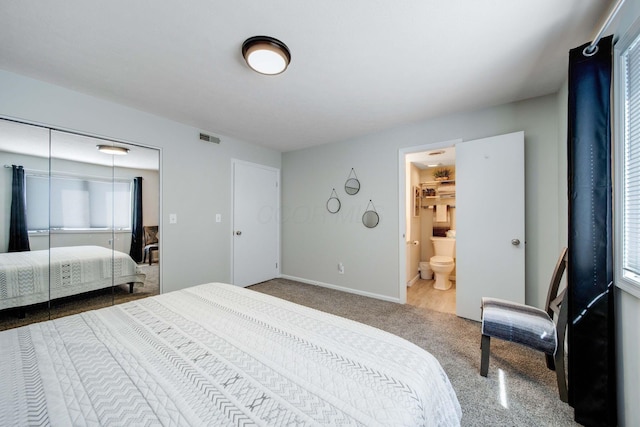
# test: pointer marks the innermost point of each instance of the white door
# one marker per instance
(490, 240)
(255, 223)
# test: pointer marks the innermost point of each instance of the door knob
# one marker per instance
(238, 233)
(515, 242)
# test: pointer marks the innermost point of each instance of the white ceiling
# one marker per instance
(358, 66)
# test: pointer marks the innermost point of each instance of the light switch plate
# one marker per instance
(173, 218)
(218, 217)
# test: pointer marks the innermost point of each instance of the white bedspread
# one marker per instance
(217, 355)
(24, 276)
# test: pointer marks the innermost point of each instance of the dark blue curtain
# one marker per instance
(592, 377)
(18, 233)
(136, 223)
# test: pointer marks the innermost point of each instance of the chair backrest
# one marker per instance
(150, 234)
(554, 300)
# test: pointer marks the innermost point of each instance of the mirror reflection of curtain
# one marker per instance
(75, 197)
(136, 224)
(18, 233)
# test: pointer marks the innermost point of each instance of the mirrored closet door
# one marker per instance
(88, 202)
(24, 240)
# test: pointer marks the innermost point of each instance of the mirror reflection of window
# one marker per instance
(76, 197)
(97, 204)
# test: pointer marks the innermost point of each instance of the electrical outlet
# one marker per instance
(340, 268)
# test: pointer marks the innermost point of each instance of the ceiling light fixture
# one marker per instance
(266, 55)
(112, 149)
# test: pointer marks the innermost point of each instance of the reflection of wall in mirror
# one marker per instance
(42, 240)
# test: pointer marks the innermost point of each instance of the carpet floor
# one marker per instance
(519, 390)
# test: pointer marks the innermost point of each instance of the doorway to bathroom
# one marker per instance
(488, 222)
(431, 229)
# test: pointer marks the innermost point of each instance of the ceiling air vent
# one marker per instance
(209, 138)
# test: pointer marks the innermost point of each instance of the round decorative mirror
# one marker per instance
(333, 204)
(352, 186)
(370, 218)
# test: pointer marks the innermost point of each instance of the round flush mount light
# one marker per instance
(112, 149)
(266, 55)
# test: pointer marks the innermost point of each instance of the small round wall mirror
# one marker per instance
(370, 218)
(352, 186)
(333, 204)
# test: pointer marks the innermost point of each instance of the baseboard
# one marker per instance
(414, 280)
(340, 288)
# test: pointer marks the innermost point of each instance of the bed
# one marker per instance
(217, 354)
(33, 277)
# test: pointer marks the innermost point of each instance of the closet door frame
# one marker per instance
(110, 232)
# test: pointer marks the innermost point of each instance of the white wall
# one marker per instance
(314, 241)
(195, 175)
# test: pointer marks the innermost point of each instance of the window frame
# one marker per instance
(622, 280)
(84, 178)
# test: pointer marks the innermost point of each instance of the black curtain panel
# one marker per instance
(592, 378)
(136, 223)
(18, 232)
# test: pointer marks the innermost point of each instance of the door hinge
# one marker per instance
(276, 265)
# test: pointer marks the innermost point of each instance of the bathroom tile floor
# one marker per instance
(422, 294)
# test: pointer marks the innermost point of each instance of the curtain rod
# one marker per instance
(64, 174)
(30, 170)
(593, 47)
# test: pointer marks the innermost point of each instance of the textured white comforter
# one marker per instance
(32, 277)
(217, 355)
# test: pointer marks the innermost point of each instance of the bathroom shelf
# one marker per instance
(438, 199)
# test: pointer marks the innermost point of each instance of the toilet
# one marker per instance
(442, 262)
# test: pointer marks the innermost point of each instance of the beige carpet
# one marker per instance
(84, 302)
(519, 390)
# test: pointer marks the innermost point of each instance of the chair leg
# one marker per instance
(550, 363)
(485, 345)
(560, 375)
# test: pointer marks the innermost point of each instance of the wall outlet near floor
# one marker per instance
(340, 268)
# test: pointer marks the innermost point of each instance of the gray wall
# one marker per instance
(314, 241)
(195, 175)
